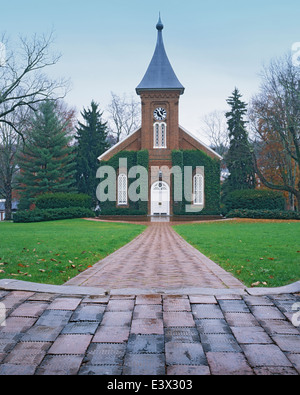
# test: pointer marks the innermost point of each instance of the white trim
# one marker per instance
(116, 145)
(199, 141)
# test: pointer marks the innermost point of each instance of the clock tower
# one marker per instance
(160, 90)
(163, 141)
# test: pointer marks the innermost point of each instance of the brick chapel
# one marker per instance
(163, 143)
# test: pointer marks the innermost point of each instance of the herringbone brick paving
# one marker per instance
(158, 258)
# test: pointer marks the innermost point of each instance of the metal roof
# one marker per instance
(160, 74)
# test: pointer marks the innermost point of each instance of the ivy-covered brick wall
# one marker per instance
(212, 185)
(134, 158)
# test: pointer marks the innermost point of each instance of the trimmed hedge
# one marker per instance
(255, 199)
(63, 200)
(39, 215)
(263, 214)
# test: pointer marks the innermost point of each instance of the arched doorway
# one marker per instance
(160, 198)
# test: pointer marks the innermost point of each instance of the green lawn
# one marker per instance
(54, 252)
(267, 252)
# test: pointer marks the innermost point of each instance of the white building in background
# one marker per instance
(2, 209)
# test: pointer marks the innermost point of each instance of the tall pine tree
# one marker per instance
(91, 143)
(47, 160)
(238, 158)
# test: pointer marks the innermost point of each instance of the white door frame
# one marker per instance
(160, 198)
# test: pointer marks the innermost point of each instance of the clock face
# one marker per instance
(160, 114)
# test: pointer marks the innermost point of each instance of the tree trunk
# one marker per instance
(8, 202)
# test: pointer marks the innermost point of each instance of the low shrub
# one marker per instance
(38, 215)
(63, 200)
(255, 199)
(263, 214)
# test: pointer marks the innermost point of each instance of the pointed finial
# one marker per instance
(159, 25)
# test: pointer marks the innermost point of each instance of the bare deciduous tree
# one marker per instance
(23, 83)
(10, 143)
(124, 116)
(215, 129)
(275, 117)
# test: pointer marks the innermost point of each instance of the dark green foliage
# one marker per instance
(63, 200)
(211, 185)
(47, 160)
(239, 157)
(263, 214)
(134, 158)
(255, 199)
(91, 143)
(39, 215)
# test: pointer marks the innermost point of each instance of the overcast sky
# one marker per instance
(106, 46)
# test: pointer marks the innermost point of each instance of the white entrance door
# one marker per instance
(160, 198)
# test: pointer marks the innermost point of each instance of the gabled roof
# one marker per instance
(121, 145)
(201, 146)
(160, 74)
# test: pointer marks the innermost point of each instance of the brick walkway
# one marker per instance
(106, 321)
(158, 258)
(47, 334)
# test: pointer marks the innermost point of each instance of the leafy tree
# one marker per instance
(91, 143)
(47, 160)
(239, 156)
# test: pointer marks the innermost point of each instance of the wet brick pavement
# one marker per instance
(53, 334)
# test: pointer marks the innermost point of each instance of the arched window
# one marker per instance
(198, 189)
(122, 189)
(160, 135)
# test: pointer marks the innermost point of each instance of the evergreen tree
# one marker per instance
(239, 158)
(91, 143)
(46, 161)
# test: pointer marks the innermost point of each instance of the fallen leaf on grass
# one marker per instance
(255, 284)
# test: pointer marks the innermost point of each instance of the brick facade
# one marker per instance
(160, 88)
